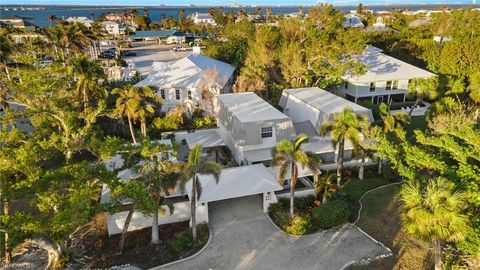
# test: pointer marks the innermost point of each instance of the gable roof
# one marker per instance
(381, 67)
(236, 182)
(248, 107)
(325, 104)
(323, 100)
(189, 72)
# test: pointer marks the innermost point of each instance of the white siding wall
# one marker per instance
(299, 111)
(227, 138)
(363, 90)
(139, 221)
(170, 98)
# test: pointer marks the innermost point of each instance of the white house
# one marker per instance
(202, 18)
(190, 80)
(83, 20)
(386, 79)
(353, 21)
(115, 28)
(250, 127)
(309, 109)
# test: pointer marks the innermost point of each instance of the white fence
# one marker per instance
(139, 221)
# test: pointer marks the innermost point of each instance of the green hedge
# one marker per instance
(331, 214)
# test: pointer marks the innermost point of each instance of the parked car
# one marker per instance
(181, 49)
(45, 61)
(129, 53)
(107, 55)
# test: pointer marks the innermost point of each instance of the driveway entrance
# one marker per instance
(244, 238)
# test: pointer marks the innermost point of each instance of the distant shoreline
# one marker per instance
(241, 6)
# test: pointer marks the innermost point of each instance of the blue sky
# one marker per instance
(218, 2)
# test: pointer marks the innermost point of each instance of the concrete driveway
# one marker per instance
(245, 238)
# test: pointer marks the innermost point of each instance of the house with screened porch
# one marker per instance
(386, 79)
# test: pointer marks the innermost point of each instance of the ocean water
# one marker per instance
(40, 17)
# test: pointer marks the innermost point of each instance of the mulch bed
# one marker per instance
(138, 250)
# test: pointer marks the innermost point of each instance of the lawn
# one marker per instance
(380, 218)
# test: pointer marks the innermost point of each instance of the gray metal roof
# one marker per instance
(248, 107)
(381, 67)
(207, 138)
(325, 101)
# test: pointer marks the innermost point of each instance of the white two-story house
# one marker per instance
(309, 109)
(386, 79)
(116, 28)
(195, 79)
(202, 18)
(250, 127)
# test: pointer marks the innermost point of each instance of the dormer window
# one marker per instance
(372, 87)
(267, 132)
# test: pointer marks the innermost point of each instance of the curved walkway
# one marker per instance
(245, 238)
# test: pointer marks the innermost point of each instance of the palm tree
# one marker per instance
(421, 88)
(392, 124)
(148, 102)
(137, 103)
(288, 155)
(433, 213)
(346, 125)
(194, 167)
(326, 184)
(159, 175)
(127, 104)
(87, 73)
(52, 19)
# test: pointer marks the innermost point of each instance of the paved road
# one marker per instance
(148, 54)
(244, 238)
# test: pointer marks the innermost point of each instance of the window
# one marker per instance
(346, 85)
(267, 132)
(177, 94)
(162, 93)
(395, 85)
(389, 85)
(372, 87)
(189, 94)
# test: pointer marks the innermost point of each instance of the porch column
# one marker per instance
(404, 95)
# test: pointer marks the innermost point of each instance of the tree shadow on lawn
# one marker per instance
(380, 218)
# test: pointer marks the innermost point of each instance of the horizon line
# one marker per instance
(240, 6)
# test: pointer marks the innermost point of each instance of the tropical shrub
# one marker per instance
(184, 240)
(299, 225)
(331, 214)
(304, 204)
